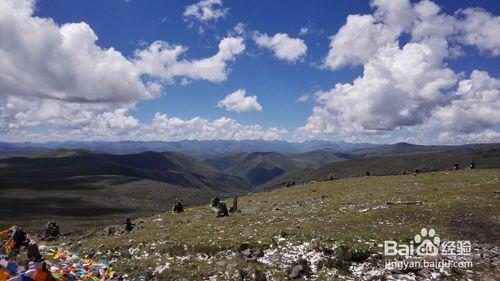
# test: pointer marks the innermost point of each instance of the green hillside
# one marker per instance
(318, 158)
(334, 226)
(484, 157)
(225, 162)
(257, 167)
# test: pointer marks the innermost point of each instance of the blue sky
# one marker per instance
(122, 25)
(129, 26)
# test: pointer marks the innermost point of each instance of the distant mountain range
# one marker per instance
(232, 171)
(194, 148)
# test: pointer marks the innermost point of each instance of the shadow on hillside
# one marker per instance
(73, 183)
(52, 206)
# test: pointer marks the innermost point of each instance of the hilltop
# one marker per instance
(336, 226)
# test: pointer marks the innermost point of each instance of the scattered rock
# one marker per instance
(300, 269)
(250, 254)
(108, 231)
(296, 272)
(85, 236)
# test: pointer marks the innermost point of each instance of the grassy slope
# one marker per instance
(257, 167)
(226, 161)
(317, 158)
(94, 201)
(484, 157)
(458, 204)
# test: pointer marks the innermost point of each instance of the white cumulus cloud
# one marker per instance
(238, 101)
(283, 46)
(399, 87)
(161, 60)
(56, 74)
(40, 58)
(475, 105)
(480, 29)
(409, 89)
(164, 127)
(363, 35)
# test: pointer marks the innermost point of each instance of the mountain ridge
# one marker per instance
(196, 148)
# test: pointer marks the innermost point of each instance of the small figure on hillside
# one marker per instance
(455, 166)
(472, 165)
(367, 173)
(215, 202)
(19, 239)
(51, 231)
(403, 172)
(129, 226)
(331, 177)
(34, 253)
(416, 171)
(234, 208)
(177, 207)
(222, 210)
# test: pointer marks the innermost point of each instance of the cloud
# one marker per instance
(484, 136)
(20, 112)
(364, 35)
(161, 60)
(116, 119)
(473, 106)
(303, 98)
(119, 124)
(397, 14)
(40, 58)
(399, 87)
(284, 47)
(303, 31)
(409, 89)
(239, 102)
(356, 44)
(57, 76)
(206, 10)
(480, 29)
(239, 30)
(198, 128)
(64, 63)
